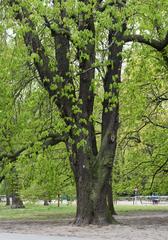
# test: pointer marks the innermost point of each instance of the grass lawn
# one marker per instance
(137, 208)
(52, 212)
(37, 212)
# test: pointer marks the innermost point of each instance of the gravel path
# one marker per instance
(139, 226)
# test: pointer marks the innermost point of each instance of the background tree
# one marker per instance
(46, 176)
(142, 151)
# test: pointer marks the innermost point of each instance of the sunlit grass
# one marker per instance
(37, 212)
(52, 212)
(143, 208)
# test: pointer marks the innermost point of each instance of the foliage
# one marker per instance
(24, 122)
(142, 154)
(46, 175)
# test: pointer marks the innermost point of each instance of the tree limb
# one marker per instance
(155, 124)
(50, 140)
(158, 45)
(158, 170)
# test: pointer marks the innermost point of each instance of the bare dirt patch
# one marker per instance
(138, 226)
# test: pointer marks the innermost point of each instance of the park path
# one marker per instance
(16, 236)
(131, 226)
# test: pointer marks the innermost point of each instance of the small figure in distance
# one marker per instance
(155, 198)
(135, 195)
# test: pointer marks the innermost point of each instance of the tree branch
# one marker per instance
(137, 166)
(50, 140)
(158, 45)
(155, 124)
(158, 170)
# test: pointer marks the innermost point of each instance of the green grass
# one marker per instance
(37, 212)
(52, 212)
(135, 208)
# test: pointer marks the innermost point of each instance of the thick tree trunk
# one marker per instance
(17, 202)
(93, 206)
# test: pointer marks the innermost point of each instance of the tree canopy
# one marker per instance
(70, 68)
